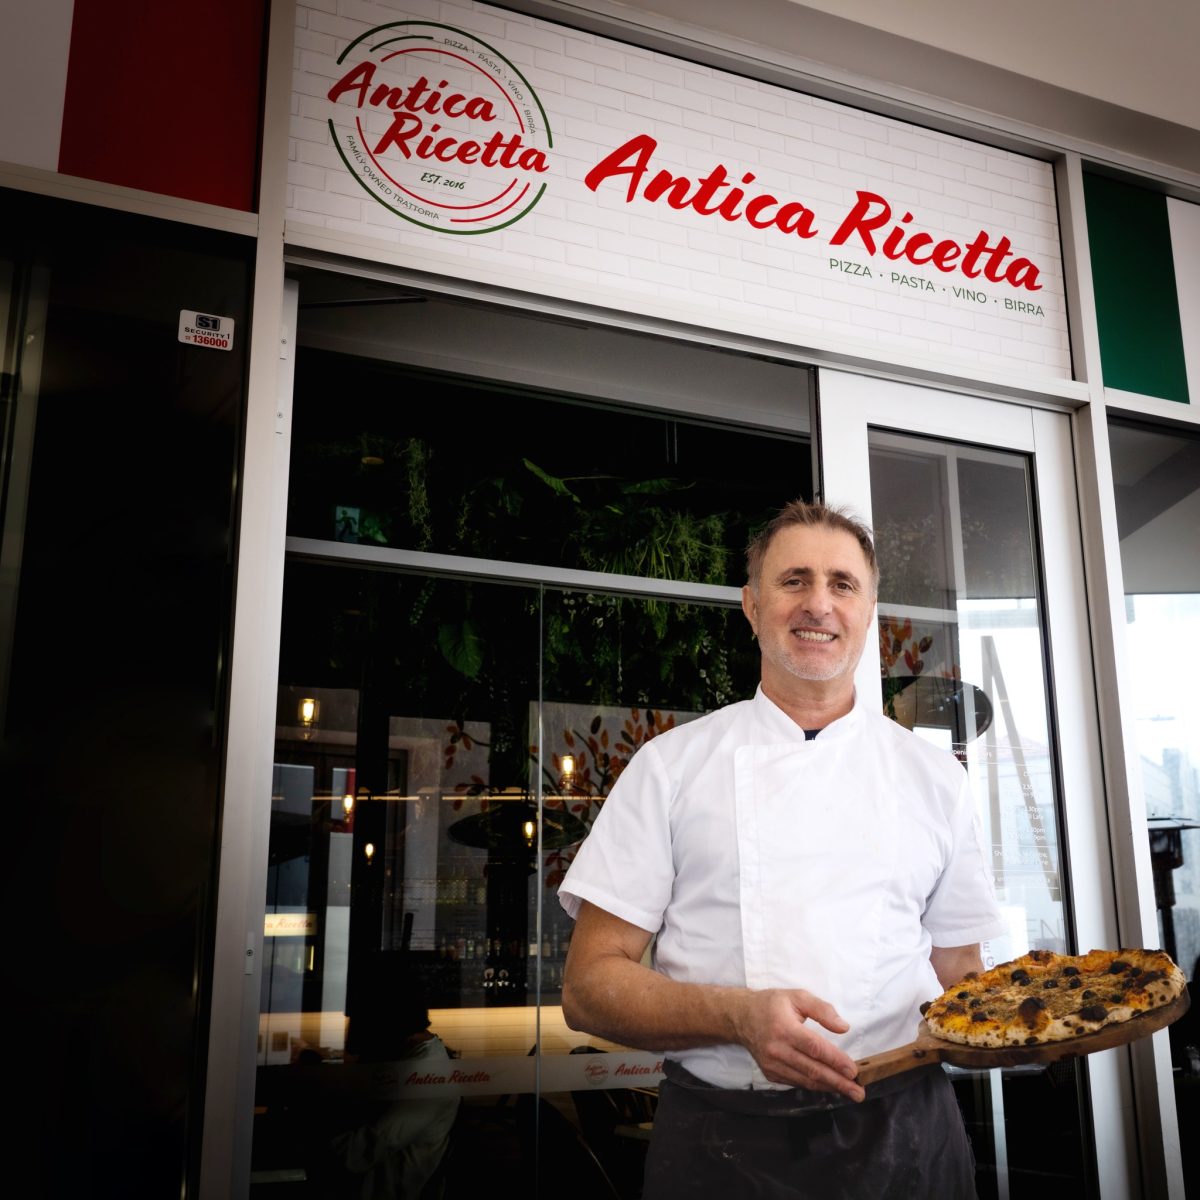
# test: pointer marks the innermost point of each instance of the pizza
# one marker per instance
(1048, 997)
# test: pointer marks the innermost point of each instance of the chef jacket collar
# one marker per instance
(779, 727)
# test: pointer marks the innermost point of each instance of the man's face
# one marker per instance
(813, 605)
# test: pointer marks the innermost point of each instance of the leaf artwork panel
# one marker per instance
(600, 741)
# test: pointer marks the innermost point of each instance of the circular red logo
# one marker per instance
(596, 1072)
(439, 127)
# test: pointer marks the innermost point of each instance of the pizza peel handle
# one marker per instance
(921, 1052)
(926, 1048)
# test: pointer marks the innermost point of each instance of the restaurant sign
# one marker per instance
(600, 171)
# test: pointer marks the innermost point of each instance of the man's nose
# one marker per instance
(818, 601)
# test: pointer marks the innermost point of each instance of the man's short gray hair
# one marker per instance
(800, 512)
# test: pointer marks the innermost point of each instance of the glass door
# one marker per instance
(980, 652)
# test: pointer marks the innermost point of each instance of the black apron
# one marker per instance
(905, 1141)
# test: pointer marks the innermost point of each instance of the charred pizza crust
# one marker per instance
(1048, 997)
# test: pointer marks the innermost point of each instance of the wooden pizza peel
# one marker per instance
(927, 1048)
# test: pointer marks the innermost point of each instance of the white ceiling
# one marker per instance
(1140, 54)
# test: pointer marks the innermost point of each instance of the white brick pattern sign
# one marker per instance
(473, 142)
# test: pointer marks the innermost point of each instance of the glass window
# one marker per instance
(386, 456)
(427, 798)
(119, 458)
(1156, 476)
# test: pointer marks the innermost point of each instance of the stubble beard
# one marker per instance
(782, 657)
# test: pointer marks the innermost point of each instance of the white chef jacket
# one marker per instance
(760, 859)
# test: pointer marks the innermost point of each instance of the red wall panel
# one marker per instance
(165, 97)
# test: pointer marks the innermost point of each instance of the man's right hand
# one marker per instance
(777, 1027)
(608, 992)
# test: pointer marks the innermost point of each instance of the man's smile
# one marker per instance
(813, 635)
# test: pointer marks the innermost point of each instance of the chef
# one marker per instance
(808, 872)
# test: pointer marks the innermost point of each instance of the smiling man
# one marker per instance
(810, 600)
(809, 872)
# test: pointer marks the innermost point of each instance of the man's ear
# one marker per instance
(750, 607)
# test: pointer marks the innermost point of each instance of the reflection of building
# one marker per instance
(1173, 806)
(1019, 783)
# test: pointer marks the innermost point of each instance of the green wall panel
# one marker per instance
(1137, 306)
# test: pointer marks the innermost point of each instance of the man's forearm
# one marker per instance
(633, 1005)
(607, 991)
(951, 963)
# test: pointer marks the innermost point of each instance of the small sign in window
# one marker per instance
(290, 924)
(205, 329)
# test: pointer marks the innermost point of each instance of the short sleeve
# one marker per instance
(624, 865)
(962, 909)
